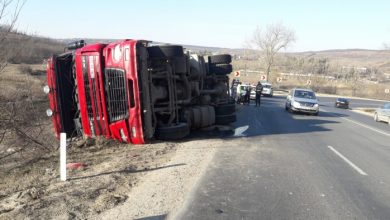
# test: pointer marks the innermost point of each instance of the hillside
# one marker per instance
(22, 48)
(34, 49)
(352, 57)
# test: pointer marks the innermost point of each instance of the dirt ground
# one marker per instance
(112, 170)
(120, 181)
(116, 181)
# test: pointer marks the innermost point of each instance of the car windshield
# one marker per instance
(304, 94)
(267, 86)
(243, 88)
(342, 100)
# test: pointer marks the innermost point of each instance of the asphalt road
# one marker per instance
(279, 165)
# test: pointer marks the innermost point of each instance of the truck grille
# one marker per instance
(87, 92)
(116, 94)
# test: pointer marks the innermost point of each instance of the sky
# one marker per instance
(318, 25)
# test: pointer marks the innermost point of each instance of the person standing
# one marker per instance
(259, 89)
(247, 94)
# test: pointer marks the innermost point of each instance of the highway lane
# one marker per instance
(294, 166)
(354, 102)
(327, 104)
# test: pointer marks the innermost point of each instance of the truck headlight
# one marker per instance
(46, 89)
(49, 112)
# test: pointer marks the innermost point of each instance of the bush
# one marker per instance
(26, 69)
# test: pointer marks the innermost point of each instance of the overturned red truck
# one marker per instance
(133, 90)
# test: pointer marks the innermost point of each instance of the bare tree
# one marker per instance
(9, 14)
(270, 41)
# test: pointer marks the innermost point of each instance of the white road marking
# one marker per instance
(363, 125)
(366, 126)
(360, 171)
(238, 132)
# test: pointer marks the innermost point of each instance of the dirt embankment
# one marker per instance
(119, 181)
(34, 191)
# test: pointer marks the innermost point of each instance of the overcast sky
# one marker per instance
(319, 25)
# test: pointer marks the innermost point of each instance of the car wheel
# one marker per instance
(376, 117)
(316, 114)
(285, 107)
(289, 109)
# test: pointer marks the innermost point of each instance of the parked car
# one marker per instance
(341, 103)
(383, 113)
(302, 100)
(253, 92)
(267, 89)
(241, 91)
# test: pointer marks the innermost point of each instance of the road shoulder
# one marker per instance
(161, 194)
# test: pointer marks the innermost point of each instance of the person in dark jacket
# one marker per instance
(259, 89)
(247, 95)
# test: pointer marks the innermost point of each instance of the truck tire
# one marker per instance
(225, 109)
(173, 132)
(220, 59)
(211, 113)
(205, 116)
(220, 69)
(225, 119)
(165, 51)
(180, 64)
(196, 118)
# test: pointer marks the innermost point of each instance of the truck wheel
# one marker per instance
(225, 109)
(220, 59)
(205, 116)
(196, 118)
(173, 132)
(180, 64)
(165, 51)
(225, 119)
(220, 69)
(211, 113)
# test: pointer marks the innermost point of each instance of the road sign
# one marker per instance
(308, 82)
(279, 79)
(237, 74)
(387, 91)
(263, 77)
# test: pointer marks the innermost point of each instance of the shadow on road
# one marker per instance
(271, 119)
(128, 170)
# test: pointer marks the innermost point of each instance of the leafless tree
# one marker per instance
(9, 14)
(271, 40)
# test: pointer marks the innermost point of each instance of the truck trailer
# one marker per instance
(134, 91)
